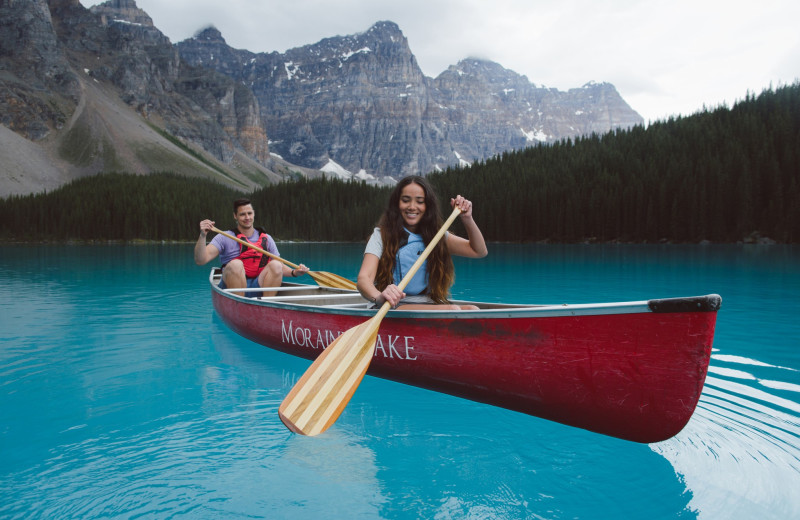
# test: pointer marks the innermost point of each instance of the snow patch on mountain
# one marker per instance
(534, 135)
(336, 169)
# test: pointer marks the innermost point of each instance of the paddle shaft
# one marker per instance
(321, 277)
(318, 398)
(252, 246)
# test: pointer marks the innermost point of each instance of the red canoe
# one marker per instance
(633, 370)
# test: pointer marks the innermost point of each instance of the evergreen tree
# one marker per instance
(718, 175)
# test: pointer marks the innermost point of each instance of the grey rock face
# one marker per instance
(44, 45)
(358, 102)
(363, 102)
(37, 88)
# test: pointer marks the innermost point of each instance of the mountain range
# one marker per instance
(84, 91)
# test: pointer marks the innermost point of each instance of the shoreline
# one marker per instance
(750, 240)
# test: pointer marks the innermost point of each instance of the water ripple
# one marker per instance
(741, 442)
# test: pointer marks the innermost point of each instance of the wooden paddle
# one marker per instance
(321, 277)
(318, 398)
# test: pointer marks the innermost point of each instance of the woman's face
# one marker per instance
(412, 205)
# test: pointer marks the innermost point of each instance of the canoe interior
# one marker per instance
(333, 298)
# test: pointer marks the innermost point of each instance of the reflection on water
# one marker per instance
(740, 453)
(318, 475)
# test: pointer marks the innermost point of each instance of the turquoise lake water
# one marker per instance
(123, 395)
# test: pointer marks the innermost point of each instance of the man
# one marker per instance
(243, 266)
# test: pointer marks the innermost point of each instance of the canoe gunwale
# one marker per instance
(487, 310)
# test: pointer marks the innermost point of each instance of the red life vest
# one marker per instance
(254, 262)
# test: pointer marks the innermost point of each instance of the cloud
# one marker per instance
(665, 57)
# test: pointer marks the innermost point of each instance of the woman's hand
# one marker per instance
(391, 294)
(463, 204)
(475, 246)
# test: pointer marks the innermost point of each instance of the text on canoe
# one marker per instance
(386, 345)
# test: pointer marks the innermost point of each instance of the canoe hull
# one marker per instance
(635, 375)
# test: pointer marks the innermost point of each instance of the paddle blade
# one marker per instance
(332, 280)
(318, 398)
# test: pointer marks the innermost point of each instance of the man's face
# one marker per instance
(245, 216)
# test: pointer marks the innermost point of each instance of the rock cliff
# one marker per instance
(38, 89)
(363, 102)
(84, 91)
(102, 89)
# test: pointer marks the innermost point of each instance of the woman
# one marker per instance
(410, 221)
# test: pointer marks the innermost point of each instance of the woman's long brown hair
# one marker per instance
(440, 265)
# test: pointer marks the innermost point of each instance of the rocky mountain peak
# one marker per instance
(485, 75)
(484, 68)
(598, 86)
(354, 105)
(122, 11)
(383, 41)
(386, 31)
(209, 34)
(361, 102)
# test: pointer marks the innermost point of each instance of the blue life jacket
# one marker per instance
(411, 246)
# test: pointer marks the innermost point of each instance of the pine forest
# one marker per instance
(722, 175)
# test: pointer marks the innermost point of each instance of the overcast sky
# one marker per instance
(665, 57)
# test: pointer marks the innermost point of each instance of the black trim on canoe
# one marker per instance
(709, 303)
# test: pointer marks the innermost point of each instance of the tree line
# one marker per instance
(718, 175)
(169, 207)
